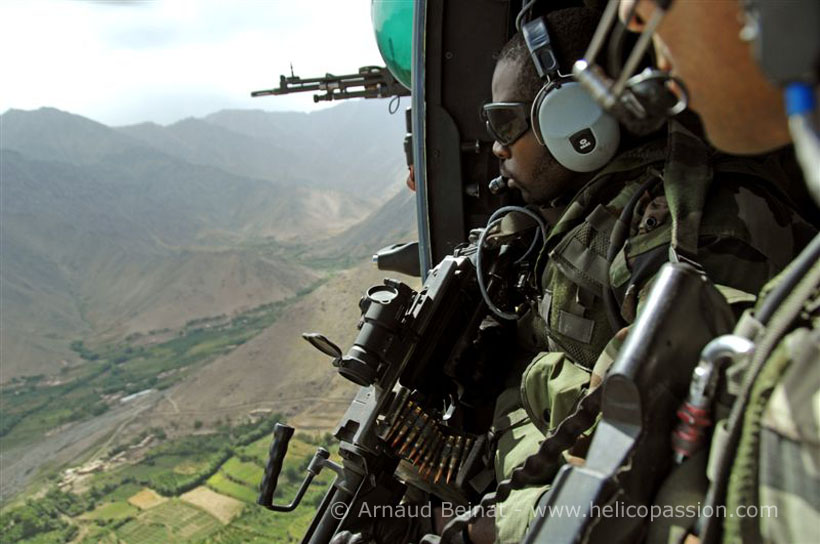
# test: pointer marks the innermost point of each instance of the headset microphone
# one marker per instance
(498, 185)
(643, 102)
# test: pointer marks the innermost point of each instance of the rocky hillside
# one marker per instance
(106, 231)
(354, 148)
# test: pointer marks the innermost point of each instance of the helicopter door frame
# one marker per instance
(455, 44)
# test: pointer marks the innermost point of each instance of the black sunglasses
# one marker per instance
(506, 121)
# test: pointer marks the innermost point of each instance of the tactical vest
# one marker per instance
(775, 470)
(574, 269)
(571, 322)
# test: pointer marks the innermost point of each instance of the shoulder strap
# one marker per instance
(687, 175)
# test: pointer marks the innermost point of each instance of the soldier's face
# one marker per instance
(699, 41)
(526, 163)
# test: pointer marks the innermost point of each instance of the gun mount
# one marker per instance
(425, 362)
(369, 82)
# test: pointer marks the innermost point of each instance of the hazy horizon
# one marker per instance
(324, 106)
(128, 62)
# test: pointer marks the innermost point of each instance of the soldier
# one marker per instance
(730, 218)
(673, 197)
(772, 457)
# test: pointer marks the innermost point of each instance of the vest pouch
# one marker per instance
(551, 388)
(576, 275)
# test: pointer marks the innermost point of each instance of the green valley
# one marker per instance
(155, 284)
(199, 488)
(34, 405)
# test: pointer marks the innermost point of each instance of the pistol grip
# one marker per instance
(276, 457)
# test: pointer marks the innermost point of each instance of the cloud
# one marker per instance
(127, 62)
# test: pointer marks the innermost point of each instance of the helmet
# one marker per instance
(393, 25)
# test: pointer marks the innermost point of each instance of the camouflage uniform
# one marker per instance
(776, 467)
(723, 211)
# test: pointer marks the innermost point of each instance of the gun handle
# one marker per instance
(278, 449)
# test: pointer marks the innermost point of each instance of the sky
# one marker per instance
(130, 61)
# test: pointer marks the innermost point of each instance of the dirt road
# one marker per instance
(20, 464)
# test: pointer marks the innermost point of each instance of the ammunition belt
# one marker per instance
(536, 469)
(435, 450)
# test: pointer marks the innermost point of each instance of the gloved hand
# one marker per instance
(385, 531)
(346, 537)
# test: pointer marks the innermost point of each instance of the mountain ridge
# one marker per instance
(106, 234)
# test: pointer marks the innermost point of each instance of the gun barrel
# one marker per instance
(330, 77)
(370, 82)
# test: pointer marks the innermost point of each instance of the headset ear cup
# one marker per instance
(534, 116)
(573, 127)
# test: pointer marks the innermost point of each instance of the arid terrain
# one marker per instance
(156, 280)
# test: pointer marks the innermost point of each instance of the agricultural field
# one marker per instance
(300, 447)
(143, 532)
(223, 508)
(146, 499)
(48, 538)
(222, 484)
(257, 525)
(121, 492)
(172, 521)
(249, 474)
(257, 452)
(112, 510)
(99, 535)
(120, 506)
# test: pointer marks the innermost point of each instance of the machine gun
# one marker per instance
(426, 362)
(369, 82)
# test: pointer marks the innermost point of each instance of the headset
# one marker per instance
(641, 102)
(566, 119)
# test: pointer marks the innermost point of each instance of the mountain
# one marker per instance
(277, 368)
(199, 142)
(53, 135)
(392, 222)
(355, 147)
(336, 133)
(105, 232)
(97, 250)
